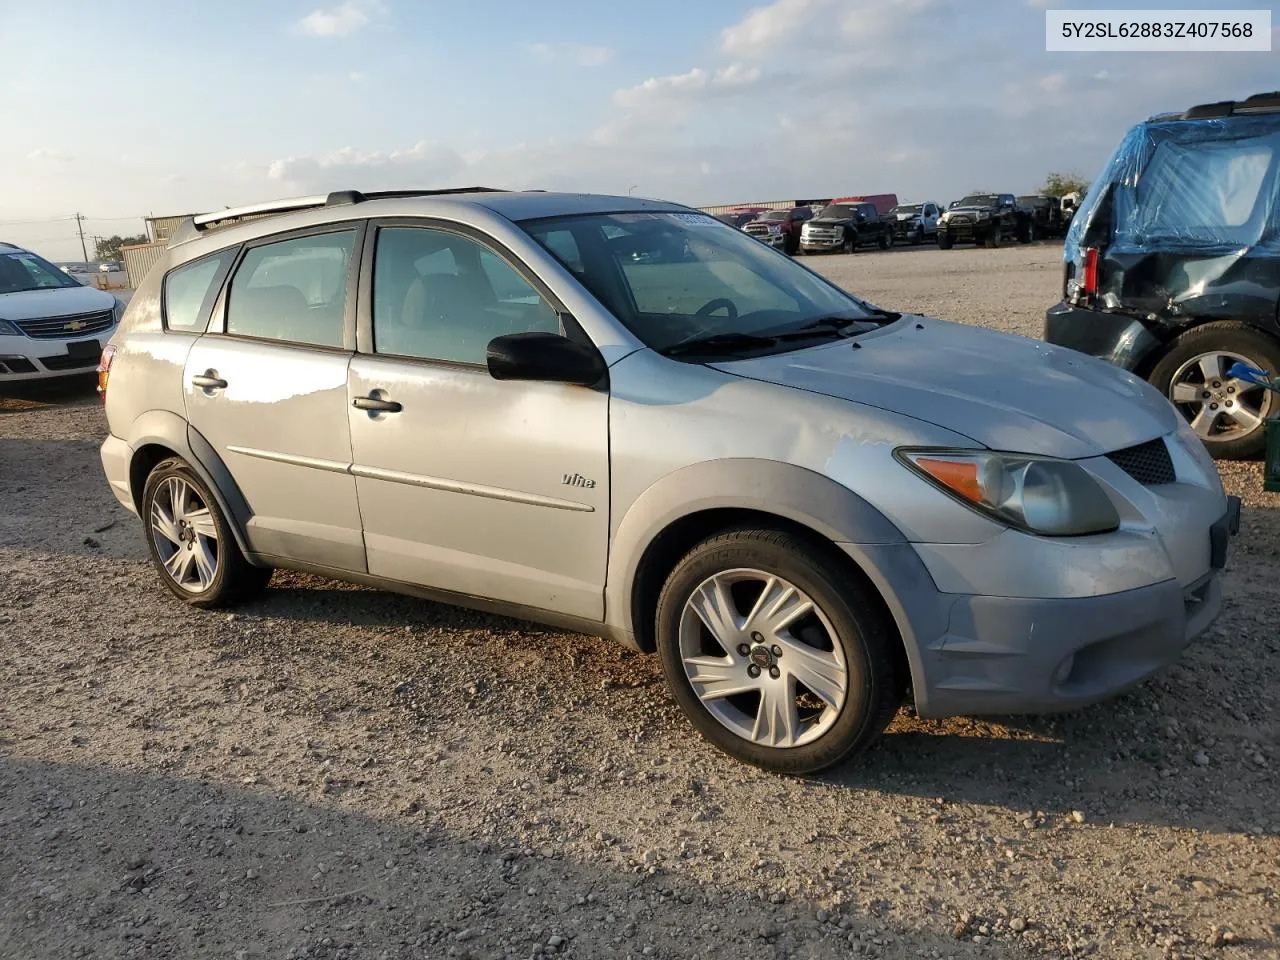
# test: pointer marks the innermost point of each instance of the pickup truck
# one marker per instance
(1043, 217)
(982, 218)
(846, 226)
(914, 222)
(780, 229)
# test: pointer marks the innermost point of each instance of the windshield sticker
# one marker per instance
(695, 219)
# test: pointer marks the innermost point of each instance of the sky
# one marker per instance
(176, 106)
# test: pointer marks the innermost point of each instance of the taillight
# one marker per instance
(1089, 275)
(104, 369)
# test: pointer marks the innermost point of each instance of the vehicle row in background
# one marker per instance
(850, 223)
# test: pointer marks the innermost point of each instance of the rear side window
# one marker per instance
(189, 292)
(293, 290)
(1203, 187)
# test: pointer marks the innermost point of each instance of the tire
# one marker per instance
(1029, 234)
(993, 238)
(848, 637)
(918, 237)
(1186, 366)
(886, 240)
(945, 242)
(216, 573)
(849, 244)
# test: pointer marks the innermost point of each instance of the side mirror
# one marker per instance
(546, 357)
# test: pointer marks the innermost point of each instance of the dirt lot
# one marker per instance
(338, 773)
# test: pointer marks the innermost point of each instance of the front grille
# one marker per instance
(753, 229)
(1149, 463)
(64, 328)
(959, 219)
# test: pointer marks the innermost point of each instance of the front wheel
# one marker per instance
(993, 238)
(886, 240)
(945, 242)
(1227, 414)
(191, 543)
(778, 656)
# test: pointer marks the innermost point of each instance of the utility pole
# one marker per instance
(80, 227)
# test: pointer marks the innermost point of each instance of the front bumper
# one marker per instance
(770, 239)
(813, 244)
(25, 358)
(965, 232)
(983, 654)
(1114, 337)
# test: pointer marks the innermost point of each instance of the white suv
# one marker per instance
(51, 325)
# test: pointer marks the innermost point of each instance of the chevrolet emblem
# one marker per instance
(74, 325)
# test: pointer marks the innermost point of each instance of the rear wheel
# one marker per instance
(1226, 413)
(777, 655)
(191, 543)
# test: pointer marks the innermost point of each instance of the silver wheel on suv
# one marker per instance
(1220, 407)
(771, 672)
(185, 535)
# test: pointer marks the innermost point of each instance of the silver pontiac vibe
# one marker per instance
(624, 417)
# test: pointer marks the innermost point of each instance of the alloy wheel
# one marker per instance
(1219, 406)
(185, 535)
(763, 658)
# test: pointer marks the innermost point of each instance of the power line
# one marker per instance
(80, 227)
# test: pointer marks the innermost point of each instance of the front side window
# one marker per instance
(189, 291)
(439, 295)
(293, 290)
(673, 278)
(22, 271)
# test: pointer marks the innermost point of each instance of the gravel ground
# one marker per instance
(335, 772)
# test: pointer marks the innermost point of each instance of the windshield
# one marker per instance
(774, 215)
(676, 277)
(21, 271)
(838, 211)
(978, 200)
(912, 208)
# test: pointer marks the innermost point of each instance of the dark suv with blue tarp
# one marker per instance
(1173, 265)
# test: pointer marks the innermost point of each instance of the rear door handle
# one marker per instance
(376, 404)
(207, 381)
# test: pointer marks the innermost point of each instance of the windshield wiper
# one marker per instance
(718, 343)
(835, 324)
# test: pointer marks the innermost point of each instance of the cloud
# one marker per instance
(355, 76)
(341, 20)
(583, 55)
(697, 84)
(49, 155)
(820, 24)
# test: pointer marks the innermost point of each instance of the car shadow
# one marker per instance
(113, 862)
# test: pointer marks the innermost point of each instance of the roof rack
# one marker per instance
(193, 226)
(1258, 103)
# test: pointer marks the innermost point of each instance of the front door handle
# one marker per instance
(377, 404)
(209, 381)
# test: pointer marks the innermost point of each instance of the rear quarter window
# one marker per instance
(190, 289)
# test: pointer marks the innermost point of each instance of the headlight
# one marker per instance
(117, 311)
(7, 329)
(983, 215)
(1188, 440)
(1055, 498)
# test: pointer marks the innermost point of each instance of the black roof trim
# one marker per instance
(341, 197)
(1258, 103)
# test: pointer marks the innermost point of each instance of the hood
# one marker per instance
(908, 216)
(971, 209)
(1005, 392)
(832, 221)
(53, 302)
